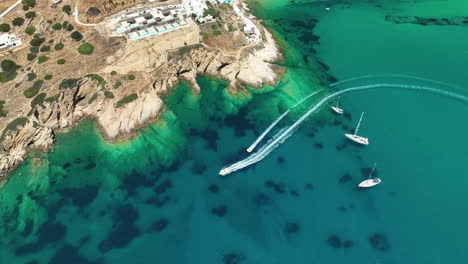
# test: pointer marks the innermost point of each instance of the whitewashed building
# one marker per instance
(9, 41)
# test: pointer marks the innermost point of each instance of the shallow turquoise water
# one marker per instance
(94, 202)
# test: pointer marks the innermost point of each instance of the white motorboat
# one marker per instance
(358, 139)
(370, 181)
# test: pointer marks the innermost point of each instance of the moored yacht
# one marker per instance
(336, 108)
(358, 139)
(370, 181)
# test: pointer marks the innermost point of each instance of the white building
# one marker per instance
(9, 41)
(196, 7)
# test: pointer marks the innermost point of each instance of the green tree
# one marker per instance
(9, 66)
(76, 35)
(30, 30)
(18, 21)
(70, 27)
(66, 9)
(86, 48)
(60, 61)
(9, 71)
(109, 94)
(5, 27)
(126, 100)
(31, 56)
(30, 3)
(59, 46)
(42, 59)
(30, 14)
(37, 41)
(57, 26)
(31, 76)
(45, 48)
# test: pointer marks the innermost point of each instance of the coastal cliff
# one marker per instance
(147, 71)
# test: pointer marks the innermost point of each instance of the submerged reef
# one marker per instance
(379, 242)
(427, 21)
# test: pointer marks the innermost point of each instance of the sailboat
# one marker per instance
(370, 181)
(336, 108)
(358, 139)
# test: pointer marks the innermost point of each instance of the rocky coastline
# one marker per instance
(83, 97)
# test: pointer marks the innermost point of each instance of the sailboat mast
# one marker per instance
(359, 123)
(370, 175)
(338, 101)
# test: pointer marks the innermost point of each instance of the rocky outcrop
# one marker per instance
(251, 66)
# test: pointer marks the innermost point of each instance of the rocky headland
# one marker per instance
(121, 84)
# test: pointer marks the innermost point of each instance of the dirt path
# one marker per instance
(10, 8)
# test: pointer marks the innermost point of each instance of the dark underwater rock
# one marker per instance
(291, 227)
(280, 160)
(279, 188)
(269, 184)
(342, 209)
(379, 242)
(69, 255)
(318, 145)
(48, 233)
(51, 232)
(91, 164)
(157, 201)
(159, 225)
(262, 199)
(348, 244)
(199, 168)
(163, 187)
(213, 188)
(345, 178)
(309, 186)
(334, 241)
(294, 193)
(132, 181)
(220, 210)
(81, 197)
(123, 231)
(29, 227)
(233, 258)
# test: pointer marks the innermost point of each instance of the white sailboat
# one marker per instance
(336, 108)
(358, 139)
(370, 181)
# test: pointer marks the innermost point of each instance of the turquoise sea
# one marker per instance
(158, 198)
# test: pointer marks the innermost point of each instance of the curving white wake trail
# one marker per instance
(284, 134)
(279, 119)
(370, 76)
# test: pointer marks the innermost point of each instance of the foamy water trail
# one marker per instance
(283, 115)
(284, 134)
(370, 76)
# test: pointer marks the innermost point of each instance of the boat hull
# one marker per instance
(370, 182)
(358, 139)
(337, 110)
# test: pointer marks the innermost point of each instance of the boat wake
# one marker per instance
(283, 134)
(402, 76)
(283, 115)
